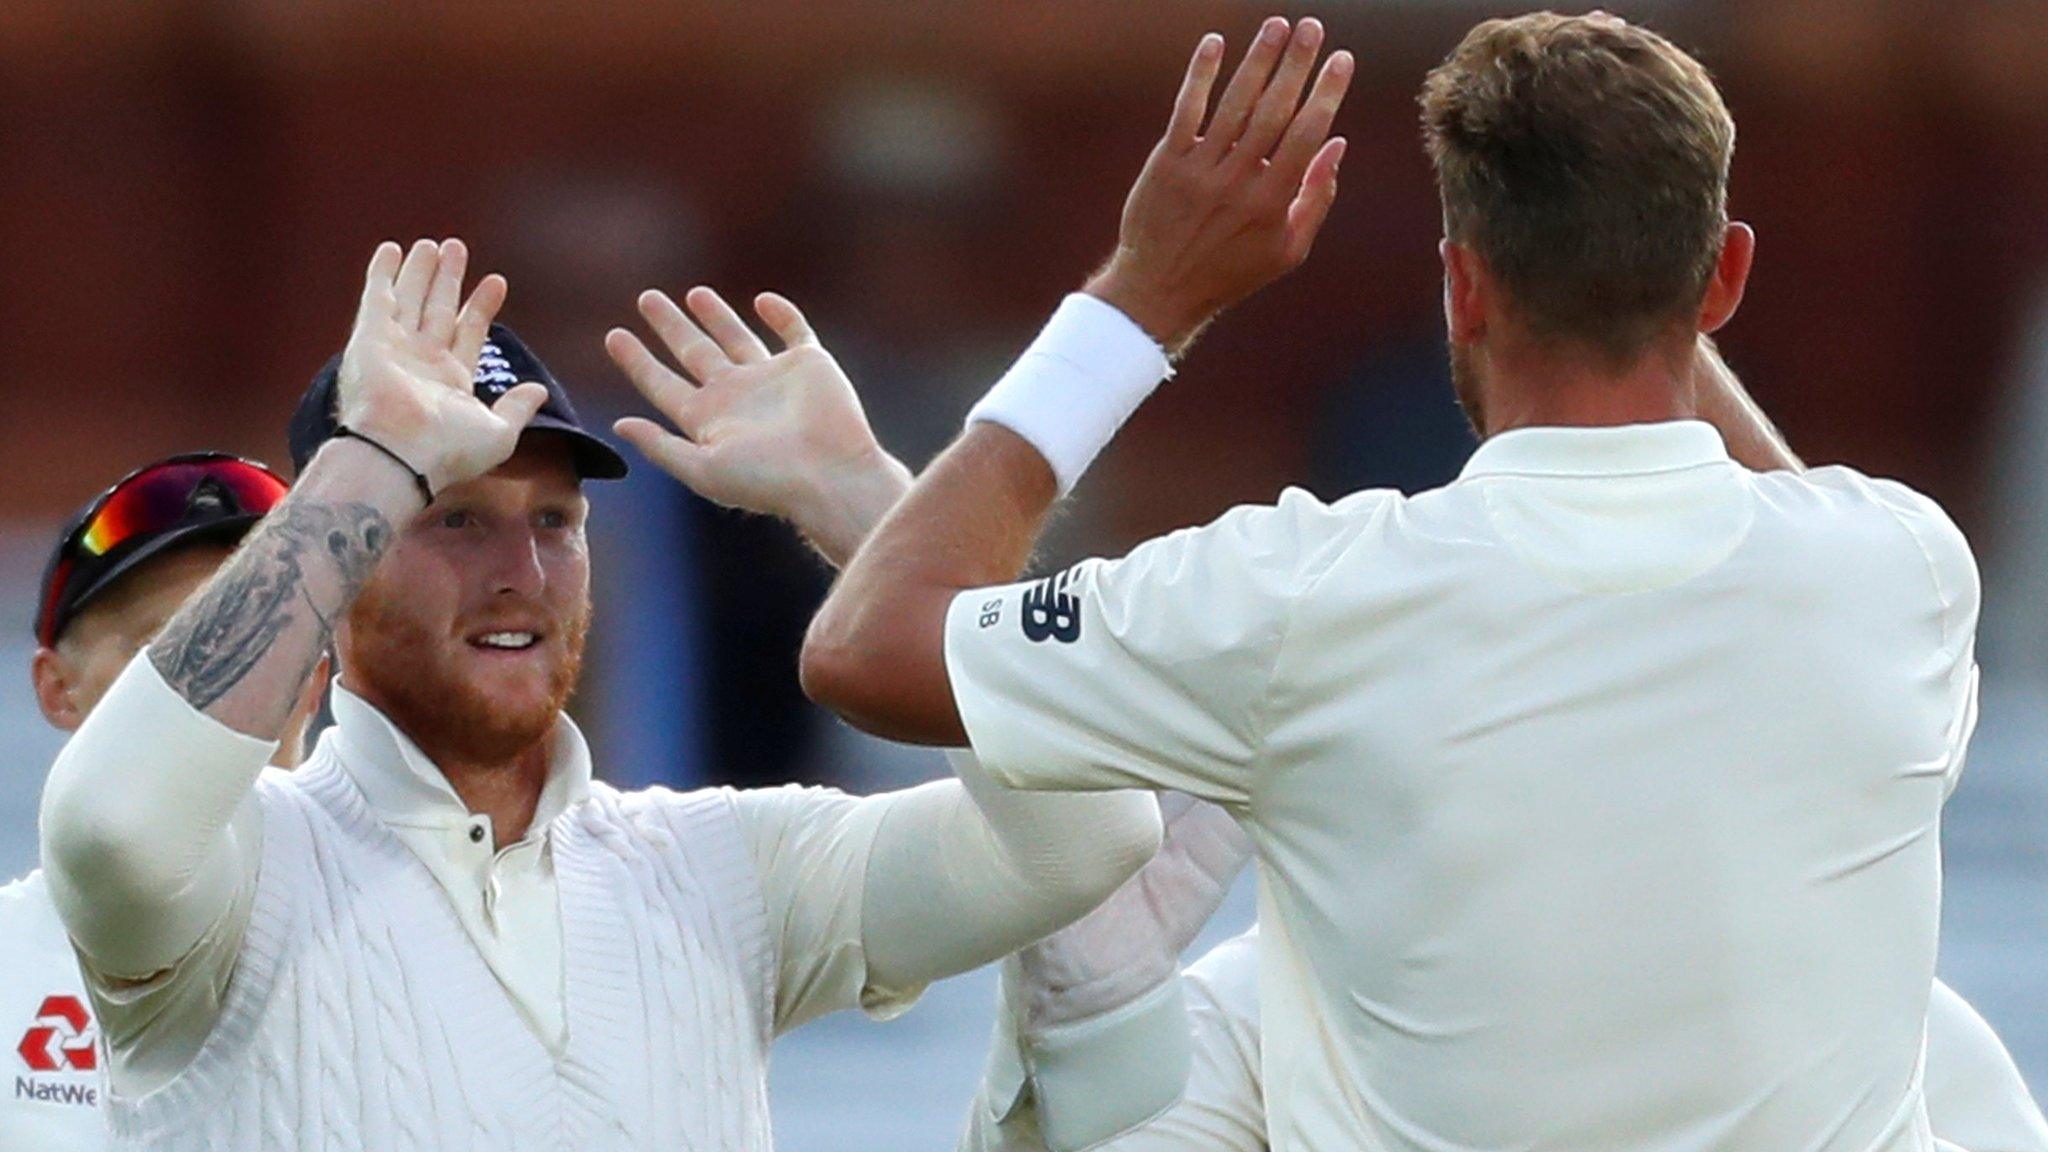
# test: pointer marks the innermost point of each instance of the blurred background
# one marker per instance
(190, 188)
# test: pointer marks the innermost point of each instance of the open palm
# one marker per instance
(407, 375)
(760, 431)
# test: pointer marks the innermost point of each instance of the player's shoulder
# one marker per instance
(758, 813)
(1295, 538)
(1845, 501)
(29, 921)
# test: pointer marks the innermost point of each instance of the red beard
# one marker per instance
(394, 662)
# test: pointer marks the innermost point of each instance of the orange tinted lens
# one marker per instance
(165, 497)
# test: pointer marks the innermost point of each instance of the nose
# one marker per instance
(515, 567)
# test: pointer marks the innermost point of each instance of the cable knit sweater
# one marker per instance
(371, 1022)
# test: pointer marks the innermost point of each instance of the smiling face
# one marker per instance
(470, 635)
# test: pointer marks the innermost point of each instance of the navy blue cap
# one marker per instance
(504, 362)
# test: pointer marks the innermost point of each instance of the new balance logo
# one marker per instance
(1051, 612)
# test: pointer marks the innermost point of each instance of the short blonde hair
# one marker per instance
(1586, 161)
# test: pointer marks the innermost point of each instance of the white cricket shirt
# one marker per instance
(1596, 794)
(51, 1097)
(1976, 1098)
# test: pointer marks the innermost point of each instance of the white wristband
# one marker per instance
(1089, 369)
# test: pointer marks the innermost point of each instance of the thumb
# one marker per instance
(518, 406)
(671, 453)
(1312, 204)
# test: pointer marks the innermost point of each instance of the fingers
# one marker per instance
(473, 325)
(377, 302)
(671, 453)
(695, 351)
(414, 277)
(444, 293)
(734, 338)
(517, 406)
(1193, 102)
(1276, 105)
(669, 392)
(783, 319)
(1311, 126)
(1250, 79)
(1311, 206)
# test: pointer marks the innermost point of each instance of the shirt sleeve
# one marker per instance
(872, 898)
(152, 841)
(1957, 603)
(811, 846)
(1153, 671)
(1975, 1096)
(1095, 1084)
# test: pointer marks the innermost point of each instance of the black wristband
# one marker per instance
(419, 478)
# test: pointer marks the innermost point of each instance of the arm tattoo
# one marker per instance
(214, 642)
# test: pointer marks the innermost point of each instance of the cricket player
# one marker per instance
(440, 932)
(121, 566)
(1596, 794)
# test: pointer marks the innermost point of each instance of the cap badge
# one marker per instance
(494, 376)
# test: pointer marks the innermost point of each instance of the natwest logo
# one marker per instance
(61, 1039)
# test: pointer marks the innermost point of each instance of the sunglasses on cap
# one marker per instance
(183, 498)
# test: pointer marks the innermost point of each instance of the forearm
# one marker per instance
(137, 810)
(965, 873)
(876, 651)
(1752, 439)
(242, 650)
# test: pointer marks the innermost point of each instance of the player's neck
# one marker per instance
(506, 791)
(1542, 385)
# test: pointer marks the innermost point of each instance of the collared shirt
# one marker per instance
(1596, 794)
(504, 896)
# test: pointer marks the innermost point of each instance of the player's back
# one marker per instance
(1601, 807)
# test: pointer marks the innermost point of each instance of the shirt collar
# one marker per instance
(1624, 450)
(406, 789)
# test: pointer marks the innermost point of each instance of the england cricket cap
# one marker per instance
(189, 499)
(504, 362)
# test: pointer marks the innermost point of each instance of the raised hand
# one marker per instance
(781, 433)
(1232, 200)
(407, 376)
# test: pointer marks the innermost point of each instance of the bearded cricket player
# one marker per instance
(1596, 795)
(441, 932)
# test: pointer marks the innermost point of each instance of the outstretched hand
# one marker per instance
(1230, 200)
(781, 433)
(407, 376)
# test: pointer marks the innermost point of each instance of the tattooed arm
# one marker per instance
(149, 828)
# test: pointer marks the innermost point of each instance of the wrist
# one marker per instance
(348, 469)
(1085, 374)
(1172, 323)
(845, 503)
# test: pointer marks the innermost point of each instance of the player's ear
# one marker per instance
(1465, 292)
(1730, 278)
(54, 679)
